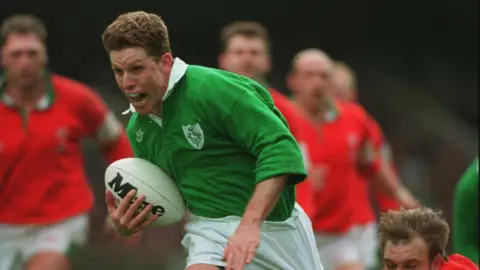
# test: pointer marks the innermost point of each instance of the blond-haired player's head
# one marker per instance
(413, 239)
(139, 50)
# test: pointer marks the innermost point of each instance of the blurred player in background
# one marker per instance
(343, 85)
(44, 195)
(417, 239)
(339, 144)
(245, 50)
(465, 214)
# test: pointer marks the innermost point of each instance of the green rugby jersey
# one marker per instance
(219, 136)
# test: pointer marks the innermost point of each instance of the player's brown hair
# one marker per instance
(405, 225)
(249, 29)
(23, 24)
(346, 68)
(137, 29)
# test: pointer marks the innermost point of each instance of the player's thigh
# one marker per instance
(48, 260)
(50, 247)
(205, 267)
(337, 251)
(281, 242)
(205, 242)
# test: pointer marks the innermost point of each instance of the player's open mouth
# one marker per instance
(138, 99)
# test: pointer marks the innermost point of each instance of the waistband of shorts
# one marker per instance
(267, 225)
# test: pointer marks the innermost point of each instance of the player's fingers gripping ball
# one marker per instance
(141, 190)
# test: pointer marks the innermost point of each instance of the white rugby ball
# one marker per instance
(149, 180)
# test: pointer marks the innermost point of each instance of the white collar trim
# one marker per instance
(179, 68)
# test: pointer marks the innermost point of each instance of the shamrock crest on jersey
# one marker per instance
(139, 135)
(194, 135)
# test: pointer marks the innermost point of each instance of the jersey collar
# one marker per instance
(179, 68)
(333, 112)
(43, 103)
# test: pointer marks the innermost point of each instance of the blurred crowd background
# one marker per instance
(416, 62)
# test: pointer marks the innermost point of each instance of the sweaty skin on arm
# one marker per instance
(465, 215)
(247, 113)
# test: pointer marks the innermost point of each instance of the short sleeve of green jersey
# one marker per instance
(244, 110)
(132, 137)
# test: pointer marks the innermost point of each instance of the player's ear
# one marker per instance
(438, 262)
(268, 65)
(166, 61)
(2, 63)
(221, 61)
(290, 82)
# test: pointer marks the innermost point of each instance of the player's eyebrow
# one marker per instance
(135, 61)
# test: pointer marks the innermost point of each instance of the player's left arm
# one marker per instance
(384, 202)
(101, 124)
(383, 176)
(246, 112)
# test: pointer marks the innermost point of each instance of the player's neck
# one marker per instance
(25, 97)
(157, 109)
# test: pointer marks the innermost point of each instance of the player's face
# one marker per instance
(142, 78)
(407, 256)
(341, 85)
(310, 80)
(24, 58)
(247, 56)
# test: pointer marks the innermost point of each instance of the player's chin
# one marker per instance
(145, 108)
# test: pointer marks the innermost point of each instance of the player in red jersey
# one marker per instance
(417, 239)
(339, 143)
(44, 195)
(246, 51)
(343, 85)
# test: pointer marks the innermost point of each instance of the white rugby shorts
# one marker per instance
(18, 243)
(287, 245)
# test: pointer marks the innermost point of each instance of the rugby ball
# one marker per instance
(149, 180)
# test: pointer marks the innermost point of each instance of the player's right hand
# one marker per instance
(115, 238)
(126, 218)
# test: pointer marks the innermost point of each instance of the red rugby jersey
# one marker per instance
(42, 179)
(335, 146)
(285, 106)
(458, 262)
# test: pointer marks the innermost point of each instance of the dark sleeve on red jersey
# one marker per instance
(100, 123)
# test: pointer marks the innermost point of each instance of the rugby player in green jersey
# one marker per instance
(465, 214)
(219, 136)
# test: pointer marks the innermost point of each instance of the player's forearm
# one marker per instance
(387, 181)
(117, 149)
(263, 200)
